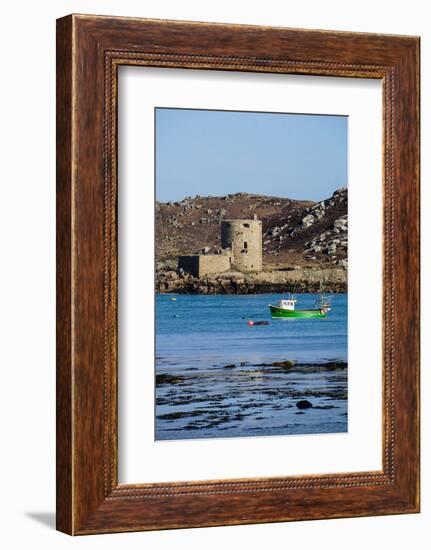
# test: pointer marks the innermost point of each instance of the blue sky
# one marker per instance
(201, 152)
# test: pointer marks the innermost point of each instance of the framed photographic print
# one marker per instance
(237, 276)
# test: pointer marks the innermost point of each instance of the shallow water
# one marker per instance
(218, 377)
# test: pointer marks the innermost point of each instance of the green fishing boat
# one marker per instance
(286, 309)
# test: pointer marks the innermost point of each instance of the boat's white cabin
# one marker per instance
(287, 304)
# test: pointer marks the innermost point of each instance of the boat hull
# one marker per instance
(280, 313)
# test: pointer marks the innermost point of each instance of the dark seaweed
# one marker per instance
(246, 399)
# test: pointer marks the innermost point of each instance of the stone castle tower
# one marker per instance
(241, 249)
(244, 239)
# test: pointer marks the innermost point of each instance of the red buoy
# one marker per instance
(250, 323)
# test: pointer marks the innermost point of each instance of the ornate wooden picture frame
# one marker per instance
(89, 51)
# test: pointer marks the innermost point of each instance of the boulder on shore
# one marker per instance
(304, 404)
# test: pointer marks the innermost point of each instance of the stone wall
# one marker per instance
(199, 265)
(213, 263)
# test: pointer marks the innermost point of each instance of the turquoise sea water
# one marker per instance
(216, 375)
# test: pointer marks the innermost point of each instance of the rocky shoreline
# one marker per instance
(245, 399)
(273, 367)
(311, 280)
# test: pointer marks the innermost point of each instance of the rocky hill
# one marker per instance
(297, 235)
(294, 232)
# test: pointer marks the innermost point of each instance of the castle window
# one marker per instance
(246, 225)
(245, 245)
